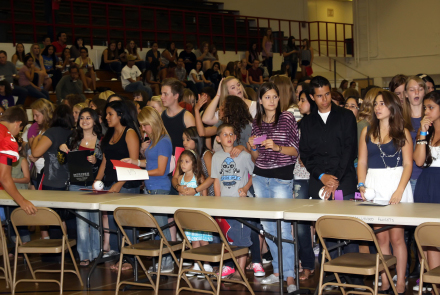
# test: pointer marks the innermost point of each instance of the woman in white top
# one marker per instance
(197, 77)
(18, 57)
(228, 86)
(86, 70)
(43, 78)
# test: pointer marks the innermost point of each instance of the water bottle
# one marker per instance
(148, 44)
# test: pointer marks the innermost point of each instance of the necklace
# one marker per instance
(383, 155)
(113, 141)
(271, 119)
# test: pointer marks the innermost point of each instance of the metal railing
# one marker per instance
(103, 21)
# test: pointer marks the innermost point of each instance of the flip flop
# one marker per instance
(84, 262)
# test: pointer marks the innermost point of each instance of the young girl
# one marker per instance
(197, 77)
(26, 79)
(191, 176)
(427, 155)
(384, 165)
(18, 57)
(188, 101)
(51, 62)
(156, 103)
(415, 89)
(86, 70)
(306, 56)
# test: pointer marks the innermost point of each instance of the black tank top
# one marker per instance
(175, 126)
(115, 151)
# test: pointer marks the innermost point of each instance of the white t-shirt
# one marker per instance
(324, 116)
(199, 75)
(131, 73)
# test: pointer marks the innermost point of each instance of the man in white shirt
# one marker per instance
(131, 77)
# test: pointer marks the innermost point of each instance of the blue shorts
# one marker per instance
(239, 233)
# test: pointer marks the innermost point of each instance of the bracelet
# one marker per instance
(320, 176)
(423, 133)
(176, 187)
(361, 184)
(139, 163)
(281, 148)
(422, 142)
(195, 189)
(254, 150)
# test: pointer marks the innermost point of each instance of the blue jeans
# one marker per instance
(114, 245)
(21, 92)
(32, 91)
(87, 240)
(413, 183)
(138, 86)
(271, 188)
(306, 254)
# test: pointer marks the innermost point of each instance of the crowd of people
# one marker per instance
(244, 134)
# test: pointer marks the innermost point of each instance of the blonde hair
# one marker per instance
(80, 105)
(186, 96)
(407, 105)
(224, 91)
(149, 116)
(287, 92)
(366, 109)
(31, 52)
(46, 108)
(104, 95)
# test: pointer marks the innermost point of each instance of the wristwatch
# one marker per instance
(361, 184)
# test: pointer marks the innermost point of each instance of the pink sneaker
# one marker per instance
(226, 271)
(258, 270)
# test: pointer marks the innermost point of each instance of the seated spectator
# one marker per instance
(43, 77)
(230, 70)
(353, 84)
(213, 74)
(251, 55)
(133, 50)
(255, 75)
(70, 85)
(110, 59)
(76, 47)
(214, 53)
(156, 103)
(141, 96)
(182, 76)
(131, 77)
(154, 54)
(205, 56)
(152, 78)
(73, 99)
(65, 60)
(6, 98)
(243, 74)
(121, 53)
(105, 95)
(188, 100)
(189, 58)
(60, 44)
(9, 72)
(169, 72)
(51, 65)
(197, 77)
(337, 98)
(46, 42)
(26, 76)
(86, 70)
(18, 57)
(169, 54)
(139, 105)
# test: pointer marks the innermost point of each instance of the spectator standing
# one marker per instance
(255, 75)
(60, 44)
(6, 98)
(307, 56)
(26, 76)
(110, 59)
(70, 85)
(189, 58)
(18, 56)
(267, 50)
(353, 84)
(343, 86)
(251, 55)
(9, 73)
(131, 77)
(133, 50)
(86, 70)
(290, 54)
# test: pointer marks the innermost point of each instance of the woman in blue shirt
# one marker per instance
(51, 62)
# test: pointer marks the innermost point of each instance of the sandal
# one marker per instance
(84, 262)
(125, 266)
(306, 274)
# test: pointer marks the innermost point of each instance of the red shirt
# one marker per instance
(58, 47)
(8, 146)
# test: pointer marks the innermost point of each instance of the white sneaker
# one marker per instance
(192, 273)
(164, 268)
(110, 253)
(258, 270)
(207, 267)
(272, 279)
(291, 288)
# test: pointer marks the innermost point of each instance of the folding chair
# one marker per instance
(350, 228)
(4, 252)
(200, 221)
(427, 235)
(43, 217)
(139, 218)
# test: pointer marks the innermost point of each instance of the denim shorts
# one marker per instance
(239, 233)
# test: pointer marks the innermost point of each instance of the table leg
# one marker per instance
(280, 255)
(101, 250)
(296, 245)
(135, 267)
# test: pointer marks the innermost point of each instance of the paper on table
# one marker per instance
(374, 203)
(127, 174)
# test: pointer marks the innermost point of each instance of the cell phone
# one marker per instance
(146, 138)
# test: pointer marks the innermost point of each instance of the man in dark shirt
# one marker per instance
(328, 148)
(189, 58)
(255, 75)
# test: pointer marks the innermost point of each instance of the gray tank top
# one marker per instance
(306, 55)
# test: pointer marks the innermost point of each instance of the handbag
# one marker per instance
(309, 70)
